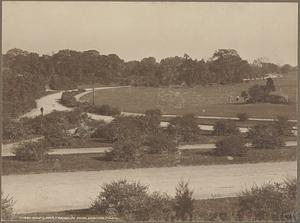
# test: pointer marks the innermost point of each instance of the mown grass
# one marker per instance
(89, 162)
(207, 101)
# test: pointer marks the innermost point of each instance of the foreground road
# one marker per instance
(75, 190)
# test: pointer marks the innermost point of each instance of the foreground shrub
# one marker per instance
(159, 207)
(131, 201)
(126, 199)
(223, 128)
(273, 202)
(31, 151)
(231, 146)
(183, 202)
(265, 136)
(7, 204)
(242, 117)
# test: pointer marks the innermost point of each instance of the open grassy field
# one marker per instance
(209, 100)
(89, 162)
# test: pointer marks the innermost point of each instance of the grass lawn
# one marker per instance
(210, 100)
(88, 162)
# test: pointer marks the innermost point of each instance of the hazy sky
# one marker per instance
(142, 29)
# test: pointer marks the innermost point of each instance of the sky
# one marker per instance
(135, 30)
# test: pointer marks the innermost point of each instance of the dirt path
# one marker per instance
(74, 190)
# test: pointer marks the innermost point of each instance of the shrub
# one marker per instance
(160, 144)
(104, 131)
(243, 117)
(185, 128)
(31, 151)
(257, 93)
(68, 99)
(7, 204)
(14, 130)
(103, 110)
(225, 128)
(265, 136)
(231, 146)
(126, 150)
(282, 126)
(271, 202)
(183, 202)
(126, 199)
(159, 207)
(153, 117)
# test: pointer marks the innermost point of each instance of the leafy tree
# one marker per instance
(286, 68)
(229, 66)
(184, 128)
(265, 136)
(232, 145)
(184, 202)
(222, 127)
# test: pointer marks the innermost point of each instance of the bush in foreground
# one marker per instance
(231, 146)
(31, 151)
(7, 204)
(184, 202)
(131, 201)
(273, 202)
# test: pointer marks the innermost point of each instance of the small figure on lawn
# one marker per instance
(42, 110)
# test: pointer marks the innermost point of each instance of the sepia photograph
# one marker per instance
(154, 111)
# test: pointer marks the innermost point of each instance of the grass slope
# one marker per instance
(210, 100)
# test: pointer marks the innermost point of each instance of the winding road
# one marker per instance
(74, 190)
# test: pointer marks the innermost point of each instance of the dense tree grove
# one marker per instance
(26, 74)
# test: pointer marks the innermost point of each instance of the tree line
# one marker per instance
(26, 74)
